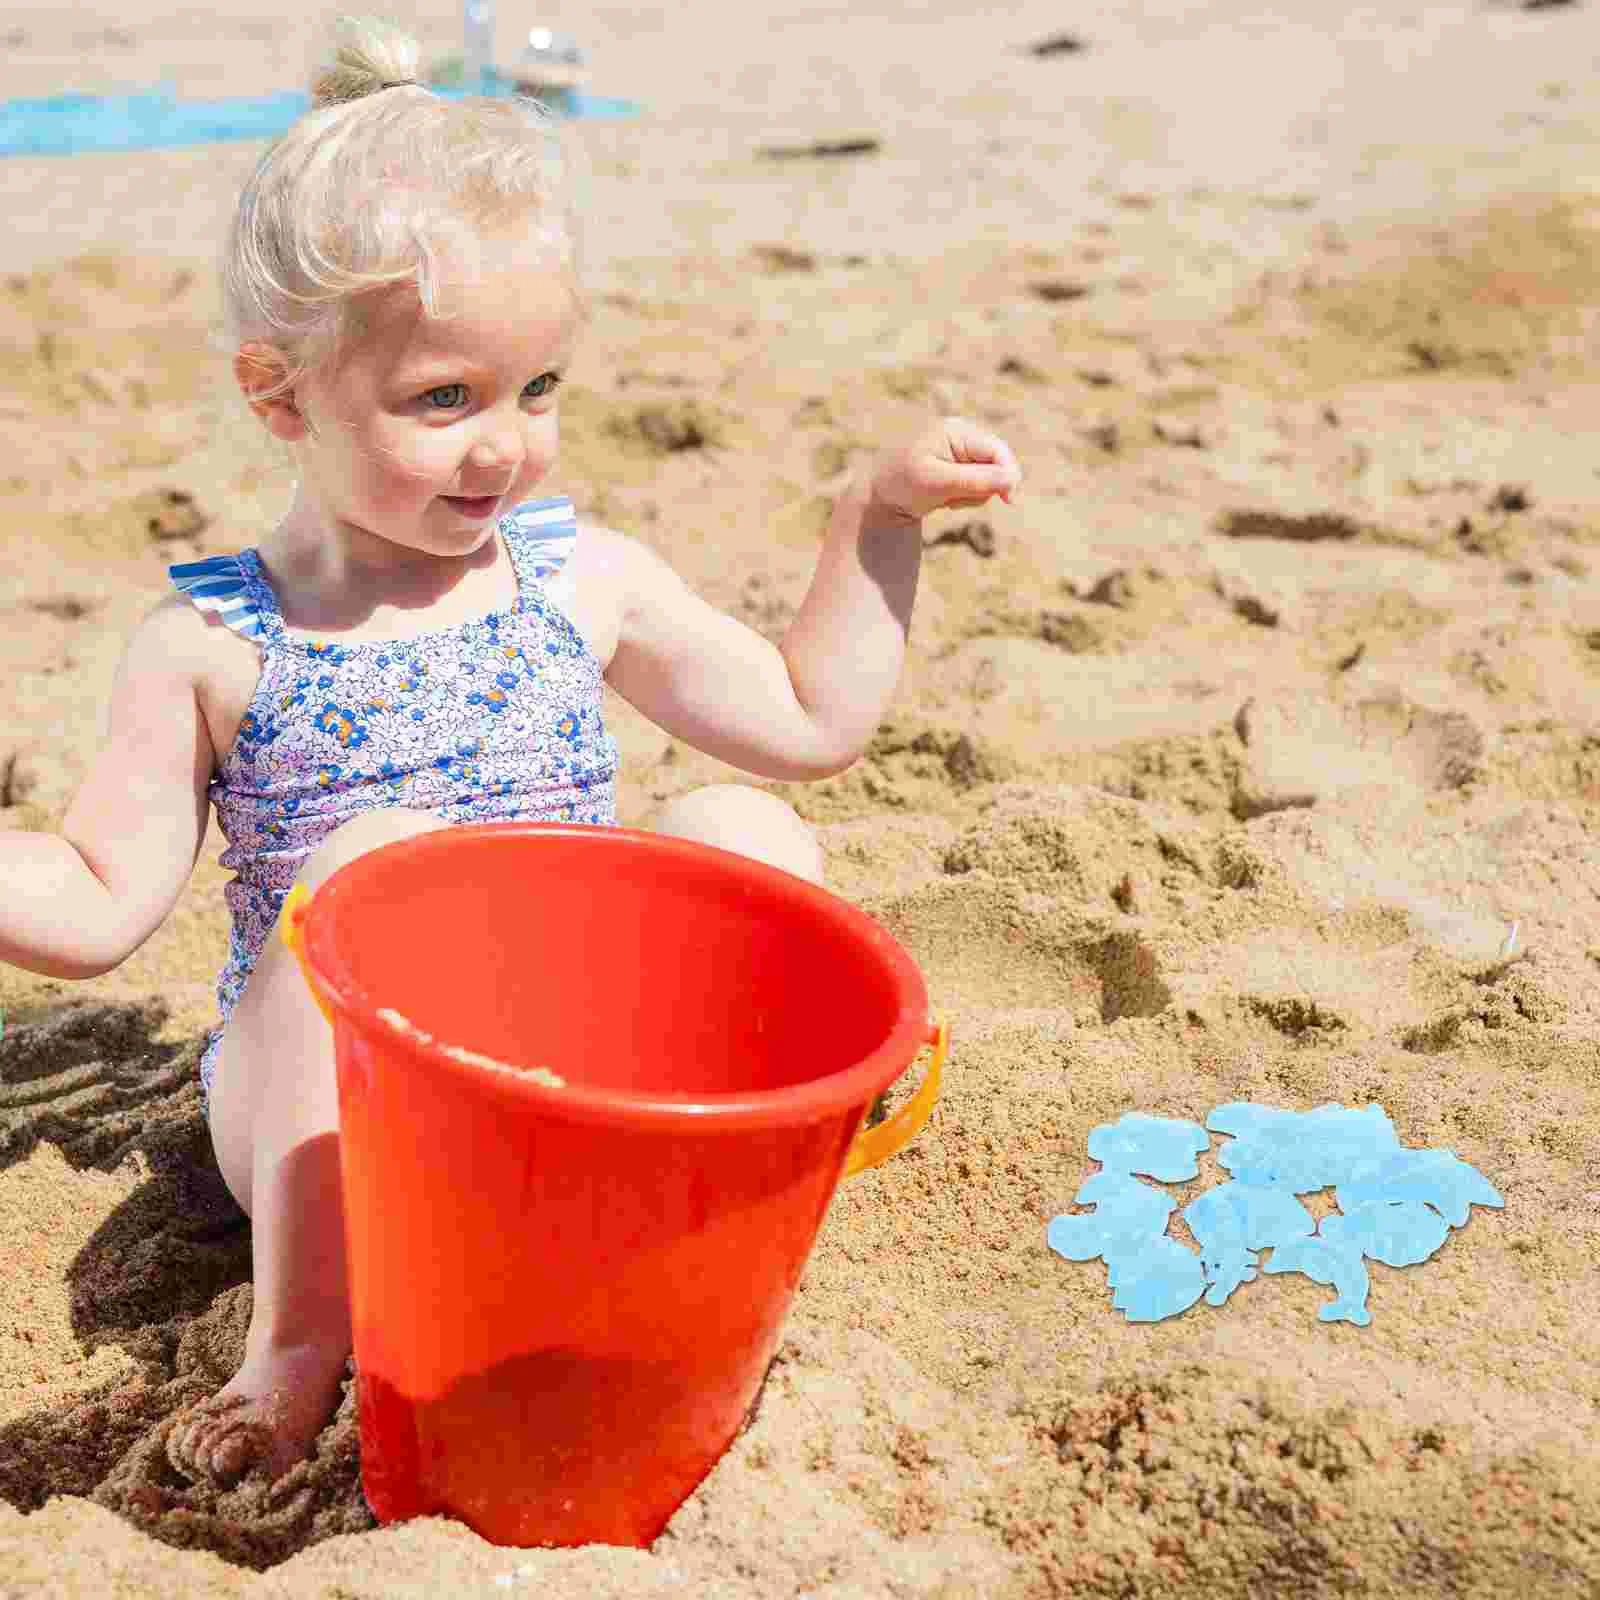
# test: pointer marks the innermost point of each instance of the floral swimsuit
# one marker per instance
(481, 722)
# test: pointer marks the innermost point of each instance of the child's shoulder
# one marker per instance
(595, 585)
(174, 629)
(190, 640)
(608, 546)
(631, 568)
(177, 637)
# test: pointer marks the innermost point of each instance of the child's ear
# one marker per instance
(259, 369)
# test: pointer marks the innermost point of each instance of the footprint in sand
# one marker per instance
(1302, 749)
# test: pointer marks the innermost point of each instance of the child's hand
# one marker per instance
(953, 463)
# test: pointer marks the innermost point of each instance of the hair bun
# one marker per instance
(369, 55)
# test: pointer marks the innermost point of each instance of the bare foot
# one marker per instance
(266, 1416)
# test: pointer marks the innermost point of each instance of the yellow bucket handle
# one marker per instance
(872, 1145)
(291, 929)
(878, 1144)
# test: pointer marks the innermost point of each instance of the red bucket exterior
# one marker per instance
(565, 1298)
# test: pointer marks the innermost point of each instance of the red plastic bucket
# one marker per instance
(566, 1285)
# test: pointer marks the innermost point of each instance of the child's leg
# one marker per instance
(750, 821)
(274, 1123)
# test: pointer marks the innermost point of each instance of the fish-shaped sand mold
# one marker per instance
(1397, 1206)
(1399, 1235)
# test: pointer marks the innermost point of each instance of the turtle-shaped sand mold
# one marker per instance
(1396, 1205)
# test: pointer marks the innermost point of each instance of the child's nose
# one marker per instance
(496, 452)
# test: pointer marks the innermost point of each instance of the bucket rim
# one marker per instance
(815, 1099)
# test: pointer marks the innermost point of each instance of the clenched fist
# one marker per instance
(952, 463)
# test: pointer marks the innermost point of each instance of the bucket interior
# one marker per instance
(620, 960)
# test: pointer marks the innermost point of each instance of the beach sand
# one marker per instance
(1222, 764)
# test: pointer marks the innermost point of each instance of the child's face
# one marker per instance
(430, 430)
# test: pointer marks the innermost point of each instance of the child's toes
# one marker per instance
(211, 1445)
(235, 1449)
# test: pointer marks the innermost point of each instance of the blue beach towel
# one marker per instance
(64, 124)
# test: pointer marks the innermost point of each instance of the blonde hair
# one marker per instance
(376, 185)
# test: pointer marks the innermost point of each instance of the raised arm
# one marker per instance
(807, 708)
(78, 903)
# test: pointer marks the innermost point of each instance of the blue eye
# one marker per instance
(540, 388)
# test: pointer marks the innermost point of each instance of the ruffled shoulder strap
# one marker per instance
(226, 586)
(540, 535)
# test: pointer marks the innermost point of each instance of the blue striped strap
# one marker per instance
(545, 529)
(217, 585)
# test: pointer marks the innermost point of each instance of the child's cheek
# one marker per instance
(414, 455)
(545, 439)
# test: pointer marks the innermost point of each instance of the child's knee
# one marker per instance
(362, 833)
(753, 822)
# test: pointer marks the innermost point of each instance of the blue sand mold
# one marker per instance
(1159, 1147)
(1399, 1234)
(1396, 1206)
(1232, 1221)
(1159, 1280)
(64, 124)
(1437, 1178)
(1329, 1261)
(1300, 1150)
(1125, 1209)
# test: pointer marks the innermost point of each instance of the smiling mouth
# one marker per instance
(474, 505)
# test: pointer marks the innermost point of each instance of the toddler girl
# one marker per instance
(420, 643)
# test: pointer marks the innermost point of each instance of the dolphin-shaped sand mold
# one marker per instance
(1437, 1178)
(1328, 1259)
